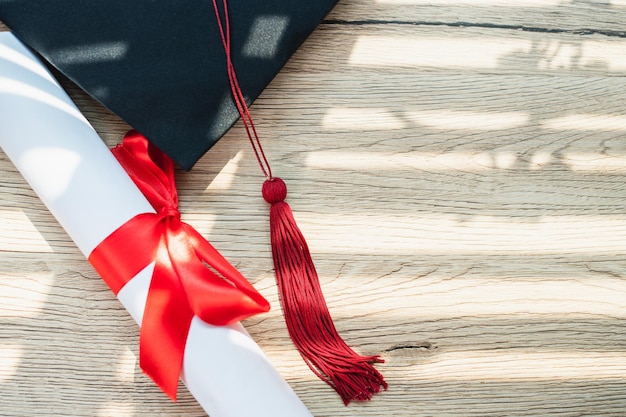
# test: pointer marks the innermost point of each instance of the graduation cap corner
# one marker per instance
(159, 65)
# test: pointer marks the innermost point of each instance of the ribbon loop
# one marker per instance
(182, 285)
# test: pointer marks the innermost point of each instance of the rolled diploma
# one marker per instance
(75, 175)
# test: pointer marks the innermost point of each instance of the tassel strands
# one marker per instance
(308, 320)
(306, 314)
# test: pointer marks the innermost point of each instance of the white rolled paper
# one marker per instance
(78, 179)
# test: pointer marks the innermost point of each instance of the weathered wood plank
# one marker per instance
(607, 16)
(394, 48)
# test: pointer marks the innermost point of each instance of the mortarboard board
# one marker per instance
(159, 64)
(168, 69)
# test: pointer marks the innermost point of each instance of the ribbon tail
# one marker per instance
(164, 329)
(233, 292)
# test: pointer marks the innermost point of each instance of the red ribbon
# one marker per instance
(190, 276)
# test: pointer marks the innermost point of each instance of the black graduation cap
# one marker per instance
(160, 64)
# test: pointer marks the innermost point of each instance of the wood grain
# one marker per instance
(580, 16)
(462, 191)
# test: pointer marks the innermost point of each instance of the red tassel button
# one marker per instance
(274, 190)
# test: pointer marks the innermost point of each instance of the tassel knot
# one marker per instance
(274, 190)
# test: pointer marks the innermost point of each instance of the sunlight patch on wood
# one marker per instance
(344, 118)
(374, 50)
(126, 366)
(506, 300)
(19, 234)
(465, 161)
(372, 119)
(468, 120)
(10, 358)
(556, 54)
(587, 122)
(507, 365)
(426, 233)
(383, 161)
(24, 294)
(611, 54)
(224, 179)
(587, 162)
(117, 409)
(540, 159)
(488, 53)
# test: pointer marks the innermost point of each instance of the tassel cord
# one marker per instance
(237, 94)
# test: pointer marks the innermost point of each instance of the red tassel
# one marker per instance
(308, 320)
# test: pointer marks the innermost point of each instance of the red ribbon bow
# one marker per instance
(182, 285)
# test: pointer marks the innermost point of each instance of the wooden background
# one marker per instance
(458, 168)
